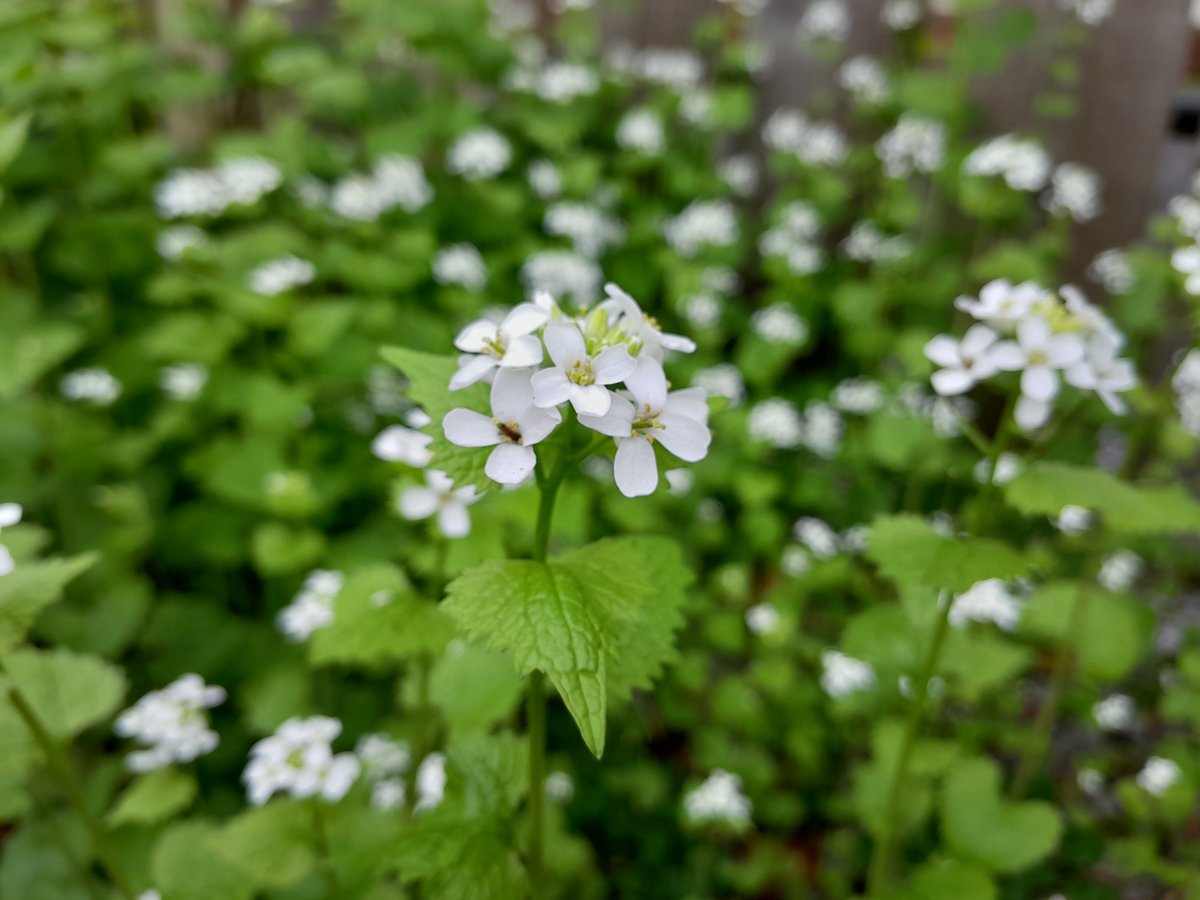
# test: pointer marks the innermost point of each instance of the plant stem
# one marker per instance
(881, 858)
(321, 844)
(535, 724)
(1064, 662)
(60, 767)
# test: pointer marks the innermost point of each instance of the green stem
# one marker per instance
(536, 709)
(64, 774)
(321, 845)
(1064, 663)
(880, 868)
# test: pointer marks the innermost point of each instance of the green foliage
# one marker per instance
(153, 797)
(68, 692)
(910, 552)
(33, 586)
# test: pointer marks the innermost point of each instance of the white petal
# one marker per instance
(454, 520)
(467, 428)
(1114, 403)
(617, 423)
(536, 424)
(943, 350)
(471, 371)
(648, 384)
(565, 344)
(634, 467)
(523, 350)
(1033, 331)
(613, 365)
(1031, 414)
(678, 343)
(524, 318)
(418, 503)
(949, 382)
(1039, 383)
(690, 402)
(512, 394)
(683, 437)
(977, 339)
(590, 400)
(474, 338)
(510, 463)
(10, 514)
(1006, 356)
(550, 387)
(1065, 350)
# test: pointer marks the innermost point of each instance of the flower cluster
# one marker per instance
(1074, 192)
(1022, 163)
(825, 20)
(394, 181)
(1054, 337)
(95, 385)
(986, 601)
(718, 799)
(915, 144)
(279, 275)
(702, 223)
(479, 155)
(209, 192)
(866, 80)
(842, 675)
(589, 229)
(590, 355)
(793, 238)
(814, 143)
(562, 273)
(171, 723)
(384, 761)
(298, 759)
(312, 607)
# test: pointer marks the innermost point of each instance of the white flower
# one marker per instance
(865, 78)
(740, 174)
(842, 675)
(674, 67)
(867, 243)
(1119, 570)
(1090, 12)
(1114, 271)
(641, 130)
(96, 386)
(856, 538)
(1186, 261)
(544, 179)
(1102, 371)
(815, 534)
(703, 223)
(562, 273)
(825, 20)
(439, 497)
(703, 310)
(795, 561)
(388, 794)
(7, 563)
(641, 331)
(299, 760)
(246, 180)
(1075, 191)
(722, 380)
(1008, 467)
(776, 422)
(964, 363)
(183, 382)
(1115, 712)
(514, 426)
(986, 601)
(556, 82)
(678, 420)
(590, 230)
(1040, 355)
(203, 192)
(718, 799)
(431, 781)
(510, 345)
(312, 607)
(762, 619)
(176, 241)
(401, 182)
(1002, 305)
(792, 238)
(399, 444)
(577, 375)
(901, 15)
(1158, 776)
(478, 155)
(279, 275)
(10, 514)
(916, 144)
(1186, 211)
(1074, 520)
(780, 324)
(460, 264)
(859, 396)
(560, 787)
(171, 724)
(1023, 164)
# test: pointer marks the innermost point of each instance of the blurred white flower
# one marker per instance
(915, 144)
(986, 601)
(184, 381)
(397, 443)
(589, 229)
(1074, 520)
(817, 535)
(1115, 712)
(298, 759)
(762, 619)
(842, 675)
(544, 179)
(703, 223)
(95, 385)
(1114, 271)
(438, 496)
(866, 80)
(1008, 467)
(780, 324)
(1075, 192)
(1119, 570)
(821, 429)
(867, 243)
(901, 15)
(479, 155)
(1158, 776)
(209, 192)
(431, 782)
(1089, 12)
(171, 724)
(641, 131)
(279, 275)
(858, 396)
(174, 242)
(1021, 162)
(460, 264)
(722, 380)
(718, 799)
(312, 607)
(825, 20)
(740, 174)
(795, 561)
(562, 274)
(776, 422)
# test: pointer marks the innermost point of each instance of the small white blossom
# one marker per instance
(740, 174)
(174, 242)
(703, 223)
(1022, 163)
(562, 274)
(866, 80)
(822, 428)
(718, 799)
(1008, 467)
(964, 363)
(479, 155)
(556, 82)
(438, 496)
(820, 539)
(1002, 305)
(916, 144)
(95, 385)
(1158, 776)
(183, 382)
(780, 324)
(776, 422)
(1186, 261)
(825, 20)
(795, 561)
(209, 192)
(1074, 520)
(560, 787)
(901, 15)
(986, 601)
(814, 143)
(397, 443)
(544, 179)
(1114, 271)
(843, 675)
(1115, 712)
(1119, 570)
(641, 131)
(10, 514)
(1089, 12)
(858, 396)
(431, 782)
(312, 607)
(298, 759)
(722, 380)
(703, 310)
(590, 230)
(762, 619)
(867, 243)
(511, 344)
(1075, 192)
(460, 264)
(172, 724)
(279, 275)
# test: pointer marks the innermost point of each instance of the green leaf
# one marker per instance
(279, 549)
(13, 135)
(429, 378)
(68, 692)
(187, 865)
(950, 880)
(539, 615)
(154, 797)
(377, 620)
(1045, 488)
(460, 860)
(272, 844)
(1113, 634)
(490, 773)
(981, 827)
(474, 687)
(908, 551)
(872, 782)
(29, 588)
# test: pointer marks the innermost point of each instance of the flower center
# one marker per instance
(581, 373)
(494, 346)
(1038, 358)
(510, 431)
(646, 421)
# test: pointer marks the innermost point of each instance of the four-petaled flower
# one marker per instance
(1002, 304)
(643, 329)
(439, 496)
(1040, 354)
(964, 362)
(577, 375)
(510, 345)
(514, 426)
